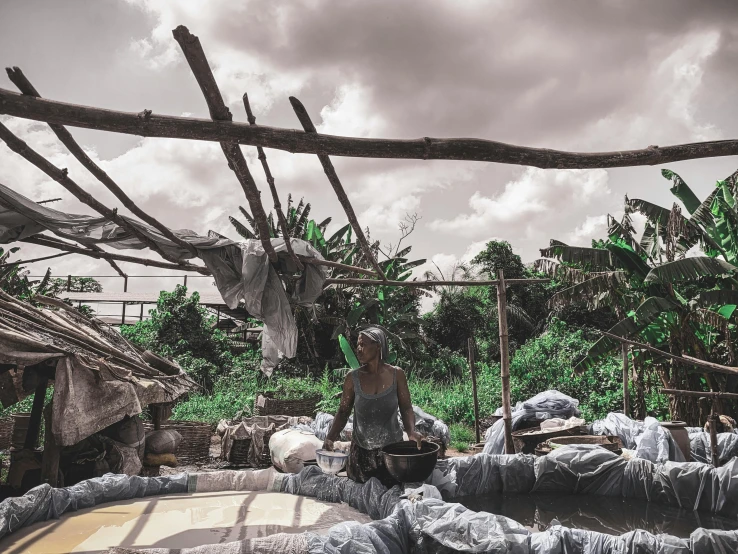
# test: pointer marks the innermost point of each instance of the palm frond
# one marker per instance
(689, 269)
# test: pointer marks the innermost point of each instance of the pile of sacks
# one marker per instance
(161, 448)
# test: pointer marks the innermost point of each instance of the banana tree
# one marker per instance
(672, 302)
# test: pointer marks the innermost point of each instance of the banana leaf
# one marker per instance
(689, 269)
(681, 190)
(348, 352)
(241, 228)
(594, 258)
(651, 310)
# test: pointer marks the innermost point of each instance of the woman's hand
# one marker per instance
(415, 436)
(328, 445)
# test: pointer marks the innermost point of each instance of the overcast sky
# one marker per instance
(568, 75)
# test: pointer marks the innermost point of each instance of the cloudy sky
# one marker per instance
(571, 75)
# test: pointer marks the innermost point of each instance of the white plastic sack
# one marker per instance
(291, 448)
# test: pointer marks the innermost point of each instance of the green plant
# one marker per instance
(461, 436)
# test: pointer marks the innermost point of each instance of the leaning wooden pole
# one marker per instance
(61, 176)
(330, 172)
(66, 138)
(147, 124)
(713, 434)
(626, 389)
(504, 362)
(60, 245)
(272, 188)
(473, 369)
(200, 67)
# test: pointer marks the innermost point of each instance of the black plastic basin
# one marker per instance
(407, 464)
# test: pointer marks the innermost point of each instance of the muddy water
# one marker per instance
(613, 516)
(179, 521)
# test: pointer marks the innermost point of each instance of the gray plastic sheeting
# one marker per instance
(701, 446)
(545, 405)
(45, 502)
(427, 524)
(588, 469)
(647, 438)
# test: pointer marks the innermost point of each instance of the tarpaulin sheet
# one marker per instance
(647, 438)
(545, 405)
(701, 447)
(241, 270)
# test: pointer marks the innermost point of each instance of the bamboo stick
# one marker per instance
(198, 63)
(273, 188)
(330, 172)
(473, 370)
(337, 265)
(626, 390)
(61, 176)
(701, 394)
(21, 262)
(431, 283)
(504, 362)
(689, 360)
(60, 245)
(147, 124)
(25, 86)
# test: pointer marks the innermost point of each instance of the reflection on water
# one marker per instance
(610, 515)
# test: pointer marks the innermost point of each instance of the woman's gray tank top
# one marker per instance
(376, 422)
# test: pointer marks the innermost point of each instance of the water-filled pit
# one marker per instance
(610, 515)
(179, 521)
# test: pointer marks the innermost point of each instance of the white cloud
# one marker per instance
(531, 203)
(594, 227)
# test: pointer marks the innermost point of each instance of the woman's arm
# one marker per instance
(343, 413)
(406, 408)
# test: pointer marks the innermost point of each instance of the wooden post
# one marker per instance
(626, 390)
(69, 283)
(52, 452)
(474, 388)
(141, 318)
(713, 434)
(504, 362)
(185, 280)
(34, 422)
(125, 289)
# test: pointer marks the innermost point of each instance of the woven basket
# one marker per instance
(195, 445)
(240, 452)
(6, 433)
(266, 404)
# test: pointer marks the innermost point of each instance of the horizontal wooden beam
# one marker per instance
(432, 283)
(684, 359)
(336, 265)
(22, 262)
(700, 394)
(61, 245)
(147, 124)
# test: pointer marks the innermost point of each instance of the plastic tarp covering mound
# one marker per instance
(648, 438)
(701, 446)
(545, 405)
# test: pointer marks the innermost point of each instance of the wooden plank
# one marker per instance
(504, 361)
(34, 423)
(147, 124)
(431, 283)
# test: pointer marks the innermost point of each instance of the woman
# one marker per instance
(375, 391)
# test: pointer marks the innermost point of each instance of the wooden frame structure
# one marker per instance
(231, 135)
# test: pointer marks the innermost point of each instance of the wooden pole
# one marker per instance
(61, 245)
(34, 422)
(25, 86)
(272, 188)
(125, 289)
(684, 359)
(330, 172)
(61, 176)
(701, 394)
(626, 389)
(52, 451)
(504, 362)
(432, 283)
(195, 56)
(473, 369)
(147, 124)
(713, 434)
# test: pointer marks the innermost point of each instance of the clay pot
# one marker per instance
(678, 430)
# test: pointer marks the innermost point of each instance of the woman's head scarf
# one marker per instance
(377, 335)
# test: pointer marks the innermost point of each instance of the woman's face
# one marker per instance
(366, 349)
